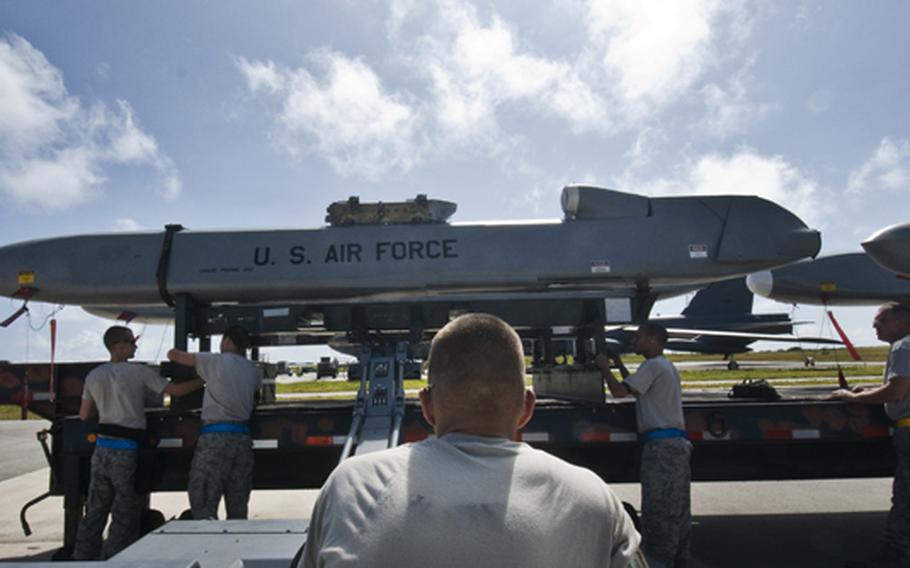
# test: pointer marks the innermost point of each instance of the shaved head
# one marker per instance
(477, 370)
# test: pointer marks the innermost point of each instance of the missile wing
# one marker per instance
(609, 244)
(890, 247)
(851, 279)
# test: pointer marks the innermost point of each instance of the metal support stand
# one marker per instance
(380, 400)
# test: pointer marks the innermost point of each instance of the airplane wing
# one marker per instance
(692, 333)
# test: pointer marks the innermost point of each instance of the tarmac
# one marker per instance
(743, 524)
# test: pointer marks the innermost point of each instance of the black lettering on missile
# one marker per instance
(298, 255)
(261, 257)
(416, 250)
(346, 252)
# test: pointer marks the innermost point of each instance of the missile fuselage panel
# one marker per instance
(673, 242)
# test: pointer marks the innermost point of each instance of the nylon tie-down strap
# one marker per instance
(164, 261)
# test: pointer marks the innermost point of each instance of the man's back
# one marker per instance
(231, 383)
(118, 390)
(467, 501)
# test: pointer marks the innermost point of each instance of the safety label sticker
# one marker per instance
(600, 267)
(698, 251)
(26, 278)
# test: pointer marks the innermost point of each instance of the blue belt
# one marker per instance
(663, 433)
(229, 427)
(116, 444)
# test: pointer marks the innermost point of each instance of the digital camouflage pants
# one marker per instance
(112, 489)
(897, 528)
(222, 465)
(665, 501)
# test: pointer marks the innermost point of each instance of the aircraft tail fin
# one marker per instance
(727, 298)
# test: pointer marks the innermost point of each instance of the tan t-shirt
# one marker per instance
(118, 391)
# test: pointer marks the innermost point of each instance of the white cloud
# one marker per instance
(656, 50)
(127, 224)
(731, 109)
(466, 82)
(887, 169)
(53, 148)
(342, 113)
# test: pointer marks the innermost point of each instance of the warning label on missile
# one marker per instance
(698, 251)
(600, 267)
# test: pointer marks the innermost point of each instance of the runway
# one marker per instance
(743, 524)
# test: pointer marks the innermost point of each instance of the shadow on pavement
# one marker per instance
(822, 540)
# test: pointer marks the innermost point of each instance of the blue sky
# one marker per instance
(131, 115)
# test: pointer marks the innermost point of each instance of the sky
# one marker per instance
(122, 116)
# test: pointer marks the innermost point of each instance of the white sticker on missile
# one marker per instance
(600, 266)
(698, 251)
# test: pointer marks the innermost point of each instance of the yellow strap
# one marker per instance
(902, 423)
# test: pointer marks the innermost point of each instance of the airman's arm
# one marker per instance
(183, 388)
(87, 410)
(182, 357)
(617, 389)
(893, 391)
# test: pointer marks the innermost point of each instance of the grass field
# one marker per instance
(804, 376)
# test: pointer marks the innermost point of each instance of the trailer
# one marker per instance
(297, 444)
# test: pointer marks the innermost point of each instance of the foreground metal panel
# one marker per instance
(842, 279)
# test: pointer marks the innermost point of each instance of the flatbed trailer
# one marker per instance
(297, 444)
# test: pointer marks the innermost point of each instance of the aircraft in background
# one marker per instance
(890, 247)
(717, 321)
(850, 279)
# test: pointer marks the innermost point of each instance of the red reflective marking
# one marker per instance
(319, 441)
(876, 432)
(693, 435)
(778, 434)
(594, 436)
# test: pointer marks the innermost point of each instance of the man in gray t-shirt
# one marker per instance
(223, 459)
(665, 471)
(473, 495)
(115, 393)
(892, 325)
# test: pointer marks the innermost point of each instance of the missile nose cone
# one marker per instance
(760, 283)
(890, 247)
(800, 243)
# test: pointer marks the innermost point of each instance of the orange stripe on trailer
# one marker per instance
(320, 441)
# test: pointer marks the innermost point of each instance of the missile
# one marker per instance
(890, 247)
(612, 243)
(851, 279)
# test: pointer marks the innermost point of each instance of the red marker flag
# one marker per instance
(854, 354)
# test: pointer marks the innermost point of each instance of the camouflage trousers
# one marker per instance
(222, 465)
(665, 501)
(897, 528)
(112, 489)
